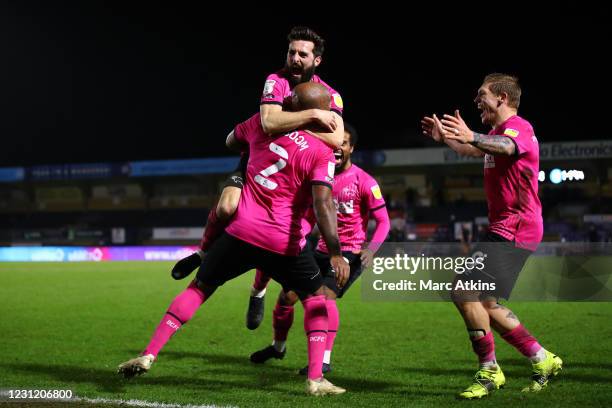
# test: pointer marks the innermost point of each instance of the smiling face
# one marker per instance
(301, 61)
(488, 104)
(343, 153)
(498, 98)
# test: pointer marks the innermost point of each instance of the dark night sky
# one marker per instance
(89, 81)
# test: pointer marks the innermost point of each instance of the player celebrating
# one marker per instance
(304, 55)
(511, 166)
(357, 197)
(284, 177)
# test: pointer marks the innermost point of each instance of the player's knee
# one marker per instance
(330, 294)
(225, 210)
(466, 307)
(489, 304)
(287, 298)
(456, 298)
(207, 289)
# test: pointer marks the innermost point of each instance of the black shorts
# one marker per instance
(329, 276)
(236, 178)
(229, 257)
(503, 263)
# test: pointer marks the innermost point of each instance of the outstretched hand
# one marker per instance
(456, 129)
(433, 128)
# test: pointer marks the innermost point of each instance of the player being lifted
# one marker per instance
(358, 198)
(511, 166)
(304, 55)
(285, 177)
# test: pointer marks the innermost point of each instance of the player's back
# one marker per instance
(278, 188)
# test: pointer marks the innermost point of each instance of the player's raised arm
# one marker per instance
(325, 213)
(334, 139)
(434, 128)
(275, 120)
(457, 131)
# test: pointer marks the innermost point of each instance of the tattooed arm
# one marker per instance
(457, 131)
(493, 144)
(464, 149)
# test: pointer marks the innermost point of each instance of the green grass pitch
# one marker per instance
(68, 326)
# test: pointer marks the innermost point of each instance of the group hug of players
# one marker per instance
(296, 176)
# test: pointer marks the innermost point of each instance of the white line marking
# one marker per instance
(139, 403)
(129, 403)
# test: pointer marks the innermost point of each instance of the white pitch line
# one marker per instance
(139, 403)
(129, 403)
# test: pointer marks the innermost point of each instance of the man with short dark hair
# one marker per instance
(511, 167)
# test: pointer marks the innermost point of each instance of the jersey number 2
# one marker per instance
(261, 178)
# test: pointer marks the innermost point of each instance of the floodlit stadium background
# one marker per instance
(432, 195)
(114, 118)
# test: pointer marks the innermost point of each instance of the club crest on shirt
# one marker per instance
(348, 192)
(489, 161)
(511, 132)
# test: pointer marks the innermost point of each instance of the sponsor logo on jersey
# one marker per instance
(345, 207)
(489, 161)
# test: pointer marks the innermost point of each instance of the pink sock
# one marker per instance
(523, 341)
(315, 325)
(333, 317)
(261, 280)
(484, 347)
(181, 310)
(282, 319)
